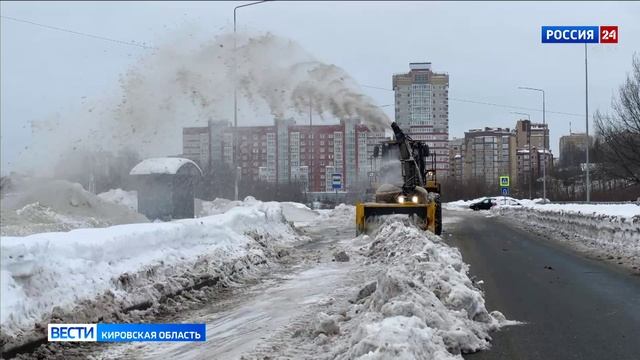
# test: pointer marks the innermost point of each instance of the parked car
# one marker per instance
(488, 203)
(484, 204)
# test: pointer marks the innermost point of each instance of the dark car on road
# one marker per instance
(484, 204)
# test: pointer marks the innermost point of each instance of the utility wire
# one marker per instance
(490, 104)
(366, 86)
(78, 32)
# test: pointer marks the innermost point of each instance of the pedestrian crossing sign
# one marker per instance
(504, 181)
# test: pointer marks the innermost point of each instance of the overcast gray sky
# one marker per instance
(488, 49)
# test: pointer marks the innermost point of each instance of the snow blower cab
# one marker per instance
(409, 186)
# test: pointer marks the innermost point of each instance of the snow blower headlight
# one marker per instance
(401, 199)
(414, 199)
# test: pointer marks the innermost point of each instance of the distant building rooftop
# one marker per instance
(420, 66)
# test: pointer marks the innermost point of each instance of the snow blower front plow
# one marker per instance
(368, 215)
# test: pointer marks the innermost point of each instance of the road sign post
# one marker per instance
(336, 183)
(504, 188)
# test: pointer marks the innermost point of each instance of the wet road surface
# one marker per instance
(573, 307)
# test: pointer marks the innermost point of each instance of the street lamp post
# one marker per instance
(586, 120)
(529, 145)
(544, 141)
(235, 90)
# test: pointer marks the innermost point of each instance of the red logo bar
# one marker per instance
(608, 34)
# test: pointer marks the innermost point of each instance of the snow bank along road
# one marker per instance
(610, 232)
(269, 279)
(573, 307)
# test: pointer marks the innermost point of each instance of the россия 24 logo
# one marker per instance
(580, 34)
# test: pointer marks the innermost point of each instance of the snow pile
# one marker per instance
(215, 207)
(121, 197)
(499, 201)
(609, 231)
(83, 275)
(298, 214)
(422, 304)
(342, 215)
(618, 210)
(32, 205)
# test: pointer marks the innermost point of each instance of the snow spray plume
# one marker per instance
(185, 83)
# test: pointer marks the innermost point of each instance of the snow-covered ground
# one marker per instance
(121, 197)
(297, 213)
(85, 274)
(402, 293)
(422, 305)
(618, 210)
(399, 293)
(498, 200)
(36, 205)
(606, 231)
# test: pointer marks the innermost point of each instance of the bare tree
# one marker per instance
(619, 147)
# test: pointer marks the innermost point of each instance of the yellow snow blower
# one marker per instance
(419, 194)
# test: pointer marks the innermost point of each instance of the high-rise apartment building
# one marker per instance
(456, 159)
(573, 149)
(287, 151)
(489, 154)
(537, 134)
(530, 163)
(422, 109)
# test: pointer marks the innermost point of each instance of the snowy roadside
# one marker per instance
(128, 199)
(38, 205)
(422, 305)
(91, 275)
(398, 293)
(609, 232)
(410, 297)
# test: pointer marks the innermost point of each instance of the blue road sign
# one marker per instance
(336, 181)
(504, 191)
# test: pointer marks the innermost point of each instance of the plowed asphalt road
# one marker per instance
(573, 307)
